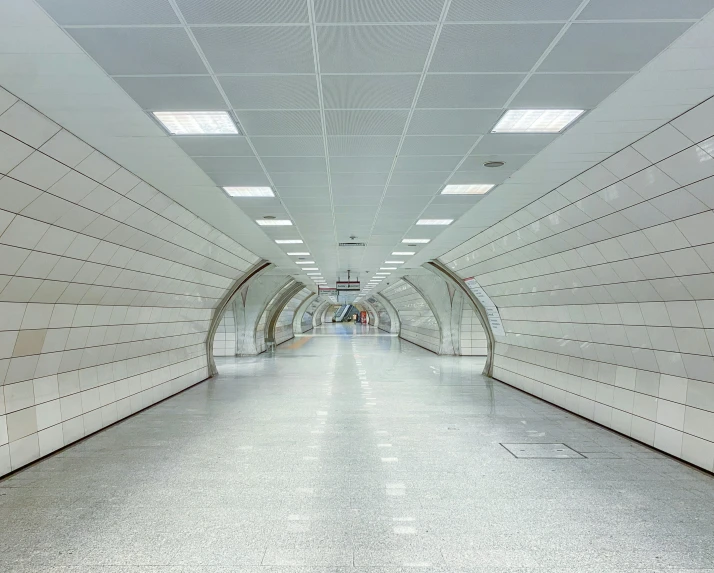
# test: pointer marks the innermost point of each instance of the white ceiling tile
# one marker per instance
(219, 145)
(366, 146)
(289, 146)
(359, 179)
(219, 164)
(361, 48)
(369, 91)
(491, 47)
(512, 143)
(302, 122)
(427, 163)
(103, 12)
(174, 93)
(294, 164)
(271, 91)
(366, 122)
(298, 179)
(361, 164)
(438, 145)
(243, 12)
(513, 10)
(341, 11)
(467, 90)
(140, 50)
(453, 121)
(263, 49)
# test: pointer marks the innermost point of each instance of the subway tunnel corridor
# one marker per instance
(349, 449)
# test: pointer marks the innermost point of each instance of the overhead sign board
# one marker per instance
(347, 285)
(327, 290)
(492, 314)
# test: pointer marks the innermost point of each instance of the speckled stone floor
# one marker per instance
(352, 451)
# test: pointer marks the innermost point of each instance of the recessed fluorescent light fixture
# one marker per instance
(274, 222)
(387, 268)
(249, 191)
(289, 241)
(299, 254)
(435, 221)
(477, 189)
(402, 253)
(536, 120)
(393, 262)
(310, 269)
(379, 274)
(196, 122)
(304, 262)
(316, 274)
(416, 241)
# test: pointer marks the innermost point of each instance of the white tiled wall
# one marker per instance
(308, 315)
(473, 341)
(417, 320)
(224, 341)
(106, 288)
(606, 289)
(385, 322)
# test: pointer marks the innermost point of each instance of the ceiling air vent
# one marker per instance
(352, 244)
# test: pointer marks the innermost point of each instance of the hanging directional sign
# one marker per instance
(347, 285)
(492, 314)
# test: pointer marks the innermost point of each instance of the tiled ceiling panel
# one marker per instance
(174, 93)
(343, 11)
(110, 12)
(243, 11)
(468, 90)
(491, 47)
(365, 48)
(271, 91)
(270, 49)
(133, 51)
(359, 112)
(369, 91)
(512, 10)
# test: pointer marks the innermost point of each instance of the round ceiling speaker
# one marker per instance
(494, 164)
(268, 217)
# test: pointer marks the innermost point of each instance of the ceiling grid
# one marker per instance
(358, 113)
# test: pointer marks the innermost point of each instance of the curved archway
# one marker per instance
(280, 318)
(303, 318)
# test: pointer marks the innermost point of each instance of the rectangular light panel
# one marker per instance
(403, 253)
(274, 222)
(310, 269)
(304, 262)
(380, 274)
(393, 262)
(416, 241)
(196, 122)
(299, 254)
(435, 221)
(536, 120)
(289, 241)
(249, 191)
(387, 268)
(476, 189)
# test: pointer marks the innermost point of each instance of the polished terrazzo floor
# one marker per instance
(350, 450)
